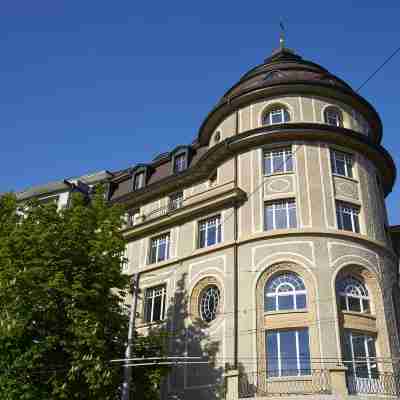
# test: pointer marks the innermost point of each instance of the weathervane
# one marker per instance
(282, 36)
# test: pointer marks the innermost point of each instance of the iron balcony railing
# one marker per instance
(160, 212)
(258, 384)
(382, 383)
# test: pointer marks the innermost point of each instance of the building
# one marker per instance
(264, 246)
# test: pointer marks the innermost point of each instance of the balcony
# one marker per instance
(256, 384)
(382, 384)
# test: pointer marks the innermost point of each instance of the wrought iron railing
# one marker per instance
(160, 212)
(257, 383)
(383, 383)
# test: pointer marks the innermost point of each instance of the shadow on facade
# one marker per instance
(187, 336)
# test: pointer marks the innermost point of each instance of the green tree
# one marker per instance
(61, 320)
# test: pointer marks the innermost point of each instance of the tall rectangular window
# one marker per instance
(139, 180)
(154, 303)
(210, 231)
(347, 217)
(159, 248)
(278, 161)
(360, 354)
(280, 214)
(180, 162)
(288, 352)
(176, 200)
(131, 216)
(342, 163)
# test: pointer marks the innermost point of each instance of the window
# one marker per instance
(342, 163)
(333, 116)
(210, 231)
(276, 115)
(180, 162)
(360, 354)
(347, 217)
(176, 201)
(131, 216)
(154, 303)
(285, 292)
(288, 352)
(213, 179)
(209, 303)
(278, 160)
(280, 214)
(159, 249)
(139, 180)
(353, 295)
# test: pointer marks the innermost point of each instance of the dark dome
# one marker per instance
(284, 66)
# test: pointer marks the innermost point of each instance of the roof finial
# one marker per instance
(282, 36)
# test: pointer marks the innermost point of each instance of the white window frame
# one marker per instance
(207, 223)
(344, 208)
(155, 243)
(368, 359)
(359, 288)
(347, 158)
(155, 291)
(175, 201)
(181, 165)
(282, 111)
(333, 114)
(139, 180)
(270, 154)
(289, 203)
(294, 291)
(278, 333)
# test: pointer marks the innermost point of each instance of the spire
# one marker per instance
(281, 36)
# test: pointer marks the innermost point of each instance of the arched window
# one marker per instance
(285, 292)
(353, 295)
(276, 115)
(209, 303)
(333, 116)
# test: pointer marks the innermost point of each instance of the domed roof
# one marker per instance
(284, 66)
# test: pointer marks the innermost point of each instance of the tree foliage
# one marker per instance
(61, 320)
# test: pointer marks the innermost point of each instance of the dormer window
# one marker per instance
(180, 163)
(276, 115)
(333, 116)
(139, 180)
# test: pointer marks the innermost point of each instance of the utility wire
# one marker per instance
(378, 69)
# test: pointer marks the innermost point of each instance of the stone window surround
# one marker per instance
(373, 323)
(195, 294)
(285, 319)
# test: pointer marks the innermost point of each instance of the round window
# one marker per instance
(209, 303)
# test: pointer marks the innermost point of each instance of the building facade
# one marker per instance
(264, 248)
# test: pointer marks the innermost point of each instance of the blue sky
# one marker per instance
(91, 85)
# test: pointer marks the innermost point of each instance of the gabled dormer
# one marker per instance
(180, 159)
(139, 176)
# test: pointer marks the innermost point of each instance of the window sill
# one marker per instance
(359, 314)
(345, 177)
(289, 378)
(277, 174)
(159, 263)
(151, 324)
(280, 312)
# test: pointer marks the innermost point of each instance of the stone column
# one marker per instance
(232, 385)
(338, 381)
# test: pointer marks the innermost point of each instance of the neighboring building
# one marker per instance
(59, 192)
(264, 245)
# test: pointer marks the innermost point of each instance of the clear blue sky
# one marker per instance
(90, 85)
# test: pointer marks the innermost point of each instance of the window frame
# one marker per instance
(349, 209)
(218, 231)
(152, 299)
(279, 358)
(142, 181)
(182, 166)
(276, 294)
(288, 207)
(348, 158)
(157, 240)
(200, 303)
(338, 119)
(342, 293)
(269, 156)
(270, 112)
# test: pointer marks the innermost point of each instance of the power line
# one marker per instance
(378, 69)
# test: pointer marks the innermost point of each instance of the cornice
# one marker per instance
(289, 132)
